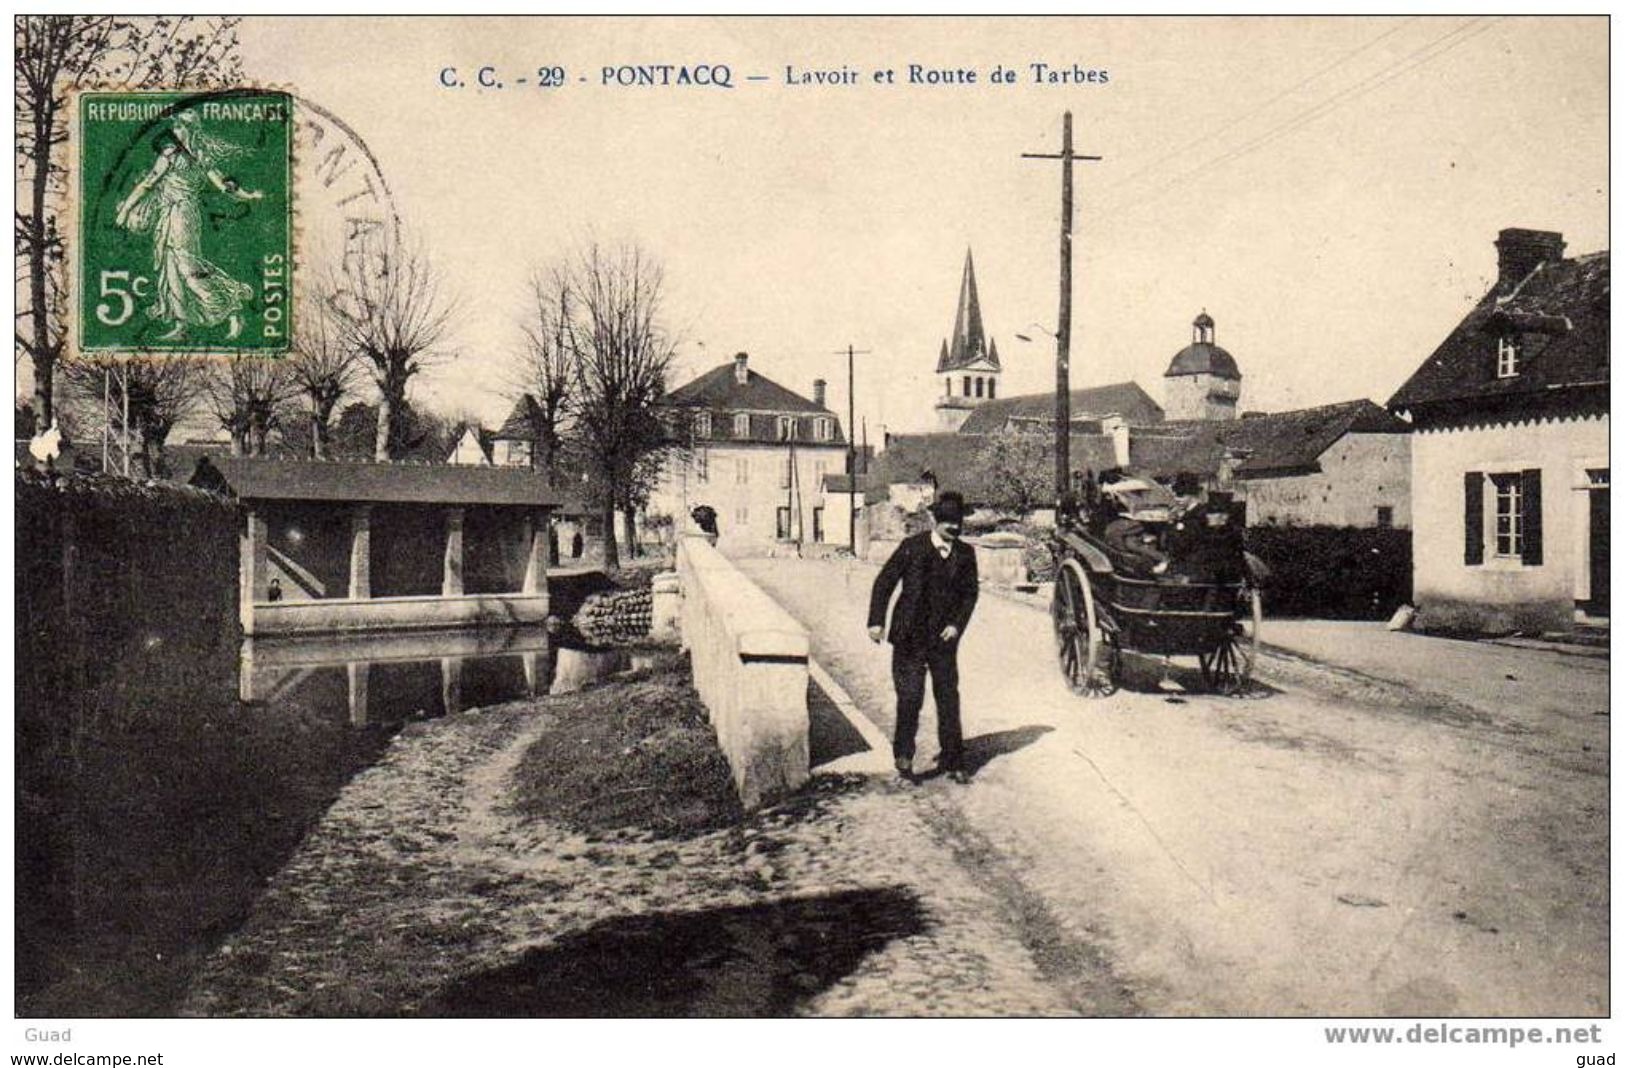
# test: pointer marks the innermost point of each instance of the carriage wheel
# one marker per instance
(1088, 653)
(1228, 668)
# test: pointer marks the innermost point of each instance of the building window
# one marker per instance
(1509, 517)
(1509, 506)
(702, 465)
(782, 523)
(991, 383)
(742, 471)
(742, 516)
(518, 454)
(1385, 515)
(1506, 356)
(702, 425)
(786, 472)
(787, 428)
(979, 387)
(821, 429)
(818, 524)
(741, 425)
(966, 385)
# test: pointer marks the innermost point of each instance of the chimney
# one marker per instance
(1521, 251)
(741, 375)
(818, 392)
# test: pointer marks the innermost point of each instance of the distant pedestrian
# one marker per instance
(275, 592)
(937, 575)
(576, 545)
(705, 517)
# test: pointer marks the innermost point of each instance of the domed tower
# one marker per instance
(967, 368)
(1203, 382)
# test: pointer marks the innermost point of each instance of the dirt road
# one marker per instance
(1340, 842)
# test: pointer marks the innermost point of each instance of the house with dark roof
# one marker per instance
(1509, 469)
(334, 546)
(758, 454)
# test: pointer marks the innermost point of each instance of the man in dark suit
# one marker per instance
(937, 573)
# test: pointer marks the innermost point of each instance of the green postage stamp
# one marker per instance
(185, 222)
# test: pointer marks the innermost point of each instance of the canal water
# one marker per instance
(156, 802)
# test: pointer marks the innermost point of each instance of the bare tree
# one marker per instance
(55, 55)
(160, 393)
(621, 354)
(547, 365)
(390, 310)
(324, 370)
(247, 396)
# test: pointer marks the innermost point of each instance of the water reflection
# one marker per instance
(395, 677)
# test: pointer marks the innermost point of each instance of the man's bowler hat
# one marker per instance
(949, 507)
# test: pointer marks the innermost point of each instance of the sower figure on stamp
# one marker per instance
(937, 573)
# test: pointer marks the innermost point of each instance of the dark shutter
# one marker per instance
(1473, 483)
(1532, 540)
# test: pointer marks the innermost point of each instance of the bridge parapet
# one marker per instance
(750, 668)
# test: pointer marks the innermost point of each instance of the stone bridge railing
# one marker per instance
(750, 668)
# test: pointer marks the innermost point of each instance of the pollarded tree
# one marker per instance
(324, 371)
(390, 309)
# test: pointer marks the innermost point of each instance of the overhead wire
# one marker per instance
(1315, 76)
(1418, 57)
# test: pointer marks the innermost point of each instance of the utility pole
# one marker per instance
(1063, 325)
(851, 449)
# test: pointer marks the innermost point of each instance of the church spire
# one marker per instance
(969, 342)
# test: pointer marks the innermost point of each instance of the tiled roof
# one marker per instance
(522, 422)
(314, 480)
(1273, 443)
(1560, 312)
(721, 393)
(1284, 441)
(1126, 399)
(956, 463)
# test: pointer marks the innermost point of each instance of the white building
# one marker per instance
(759, 457)
(1510, 456)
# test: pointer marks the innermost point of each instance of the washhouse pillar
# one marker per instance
(361, 552)
(451, 583)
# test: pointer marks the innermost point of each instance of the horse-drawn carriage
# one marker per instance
(1102, 609)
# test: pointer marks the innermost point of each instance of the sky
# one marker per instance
(1328, 189)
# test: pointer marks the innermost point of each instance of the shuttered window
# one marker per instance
(1532, 547)
(1513, 508)
(1473, 516)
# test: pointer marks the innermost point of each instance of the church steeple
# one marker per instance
(969, 344)
(968, 364)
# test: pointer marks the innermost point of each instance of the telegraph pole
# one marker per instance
(1063, 324)
(851, 450)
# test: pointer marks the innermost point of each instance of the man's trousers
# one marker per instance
(908, 671)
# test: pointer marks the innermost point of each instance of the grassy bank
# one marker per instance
(637, 753)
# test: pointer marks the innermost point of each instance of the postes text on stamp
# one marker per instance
(185, 222)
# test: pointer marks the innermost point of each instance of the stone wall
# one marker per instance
(750, 668)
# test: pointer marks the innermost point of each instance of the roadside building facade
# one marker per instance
(758, 454)
(1510, 479)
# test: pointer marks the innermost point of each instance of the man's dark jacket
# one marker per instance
(936, 592)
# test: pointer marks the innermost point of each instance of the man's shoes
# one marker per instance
(958, 775)
(905, 767)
